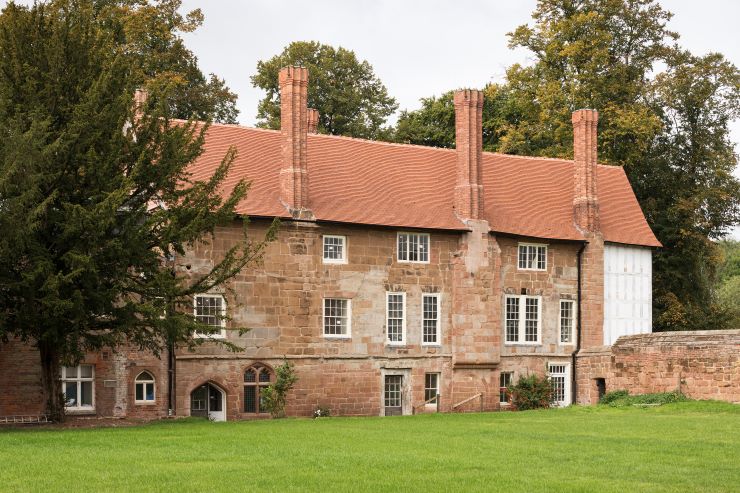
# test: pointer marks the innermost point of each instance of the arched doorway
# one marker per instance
(208, 401)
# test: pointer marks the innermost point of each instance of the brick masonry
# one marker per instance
(701, 364)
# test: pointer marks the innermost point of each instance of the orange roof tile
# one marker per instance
(407, 186)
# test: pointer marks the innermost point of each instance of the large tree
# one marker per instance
(350, 99)
(669, 131)
(96, 202)
(150, 31)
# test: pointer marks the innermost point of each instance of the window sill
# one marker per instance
(431, 345)
(522, 343)
(334, 262)
(413, 262)
(532, 270)
(145, 403)
(78, 412)
(337, 337)
(395, 344)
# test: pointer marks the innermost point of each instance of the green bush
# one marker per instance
(273, 397)
(622, 398)
(531, 392)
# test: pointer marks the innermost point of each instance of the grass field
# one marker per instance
(688, 446)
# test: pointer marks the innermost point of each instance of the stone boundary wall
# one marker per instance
(701, 364)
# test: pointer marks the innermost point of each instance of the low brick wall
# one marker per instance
(701, 364)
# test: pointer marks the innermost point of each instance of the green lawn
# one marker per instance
(688, 446)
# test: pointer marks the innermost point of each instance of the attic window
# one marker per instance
(532, 256)
(413, 247)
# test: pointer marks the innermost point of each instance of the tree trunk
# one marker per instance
(51, 381)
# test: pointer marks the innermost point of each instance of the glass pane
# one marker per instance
(250, 399)
(265, 375)
(70, 372)
(512, 319)
(70, 394)
(393, 390)
(403, 248)
(149, 391)
(144, 377)
(250, 376)
(139, 391)
(86, 371)
(86, 391)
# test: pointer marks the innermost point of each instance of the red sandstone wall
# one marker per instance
(701, 364)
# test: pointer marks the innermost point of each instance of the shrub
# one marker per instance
(531, 392)
(273, 397)
(322, 412)
(621, 398)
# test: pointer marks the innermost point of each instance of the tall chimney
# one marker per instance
(313, 121)
(585, 198)
(469, 143)
(293, 83)
(140, 97)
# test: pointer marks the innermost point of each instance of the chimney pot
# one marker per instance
(313, 121)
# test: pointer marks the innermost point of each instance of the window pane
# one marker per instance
(70, 394)
(333, 248)
(431, 387)
(139, 391)
(144, 377)
(250, 376)
(541, 257)
(336, 316)
(512, 319)
(86, 371)
(149, 391)
(423, 248)
(393, 390)
(403, 247)
(208, 310)
(395, 317)
(265, 375)
(504, 381)
(70, 372)
(557, 379)
(522, 257)
(261, 400)
(430, 320)
(86, 391)
(531, 321)
(566, 321)
(250, 399)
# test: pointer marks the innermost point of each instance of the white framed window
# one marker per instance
(413, 247)
(430, 320)
(522, 324)
(532, 256)
(337, 318)
(505, 379)
(78, 384)
(210, 310)
(560, 381)
(431, 388)
(395, 320)
(144, 388)
(335, 249)
(567, 321)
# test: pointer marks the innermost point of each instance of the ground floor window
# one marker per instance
(144, 390)
(560, 384)
(504, 380)
(431, 388)
(256, 378)
(78, 386)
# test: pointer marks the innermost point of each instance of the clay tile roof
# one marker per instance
(406, 186)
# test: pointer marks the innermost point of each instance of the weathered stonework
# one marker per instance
(701, 364)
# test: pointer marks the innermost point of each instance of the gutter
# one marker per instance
(573, 386)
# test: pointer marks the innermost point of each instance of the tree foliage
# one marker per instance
(96, 203)
(663, 116)
(275, 395)
(150, 32)
(351, 100)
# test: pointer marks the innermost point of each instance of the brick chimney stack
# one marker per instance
(313, 121)
(293, 83)
(585, 198)
(469, 143)
(140, 97)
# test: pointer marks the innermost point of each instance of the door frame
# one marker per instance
(405, 373)
(212, 415)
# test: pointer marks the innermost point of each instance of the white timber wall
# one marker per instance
(628, 293)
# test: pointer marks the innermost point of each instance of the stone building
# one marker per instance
(401, 275)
